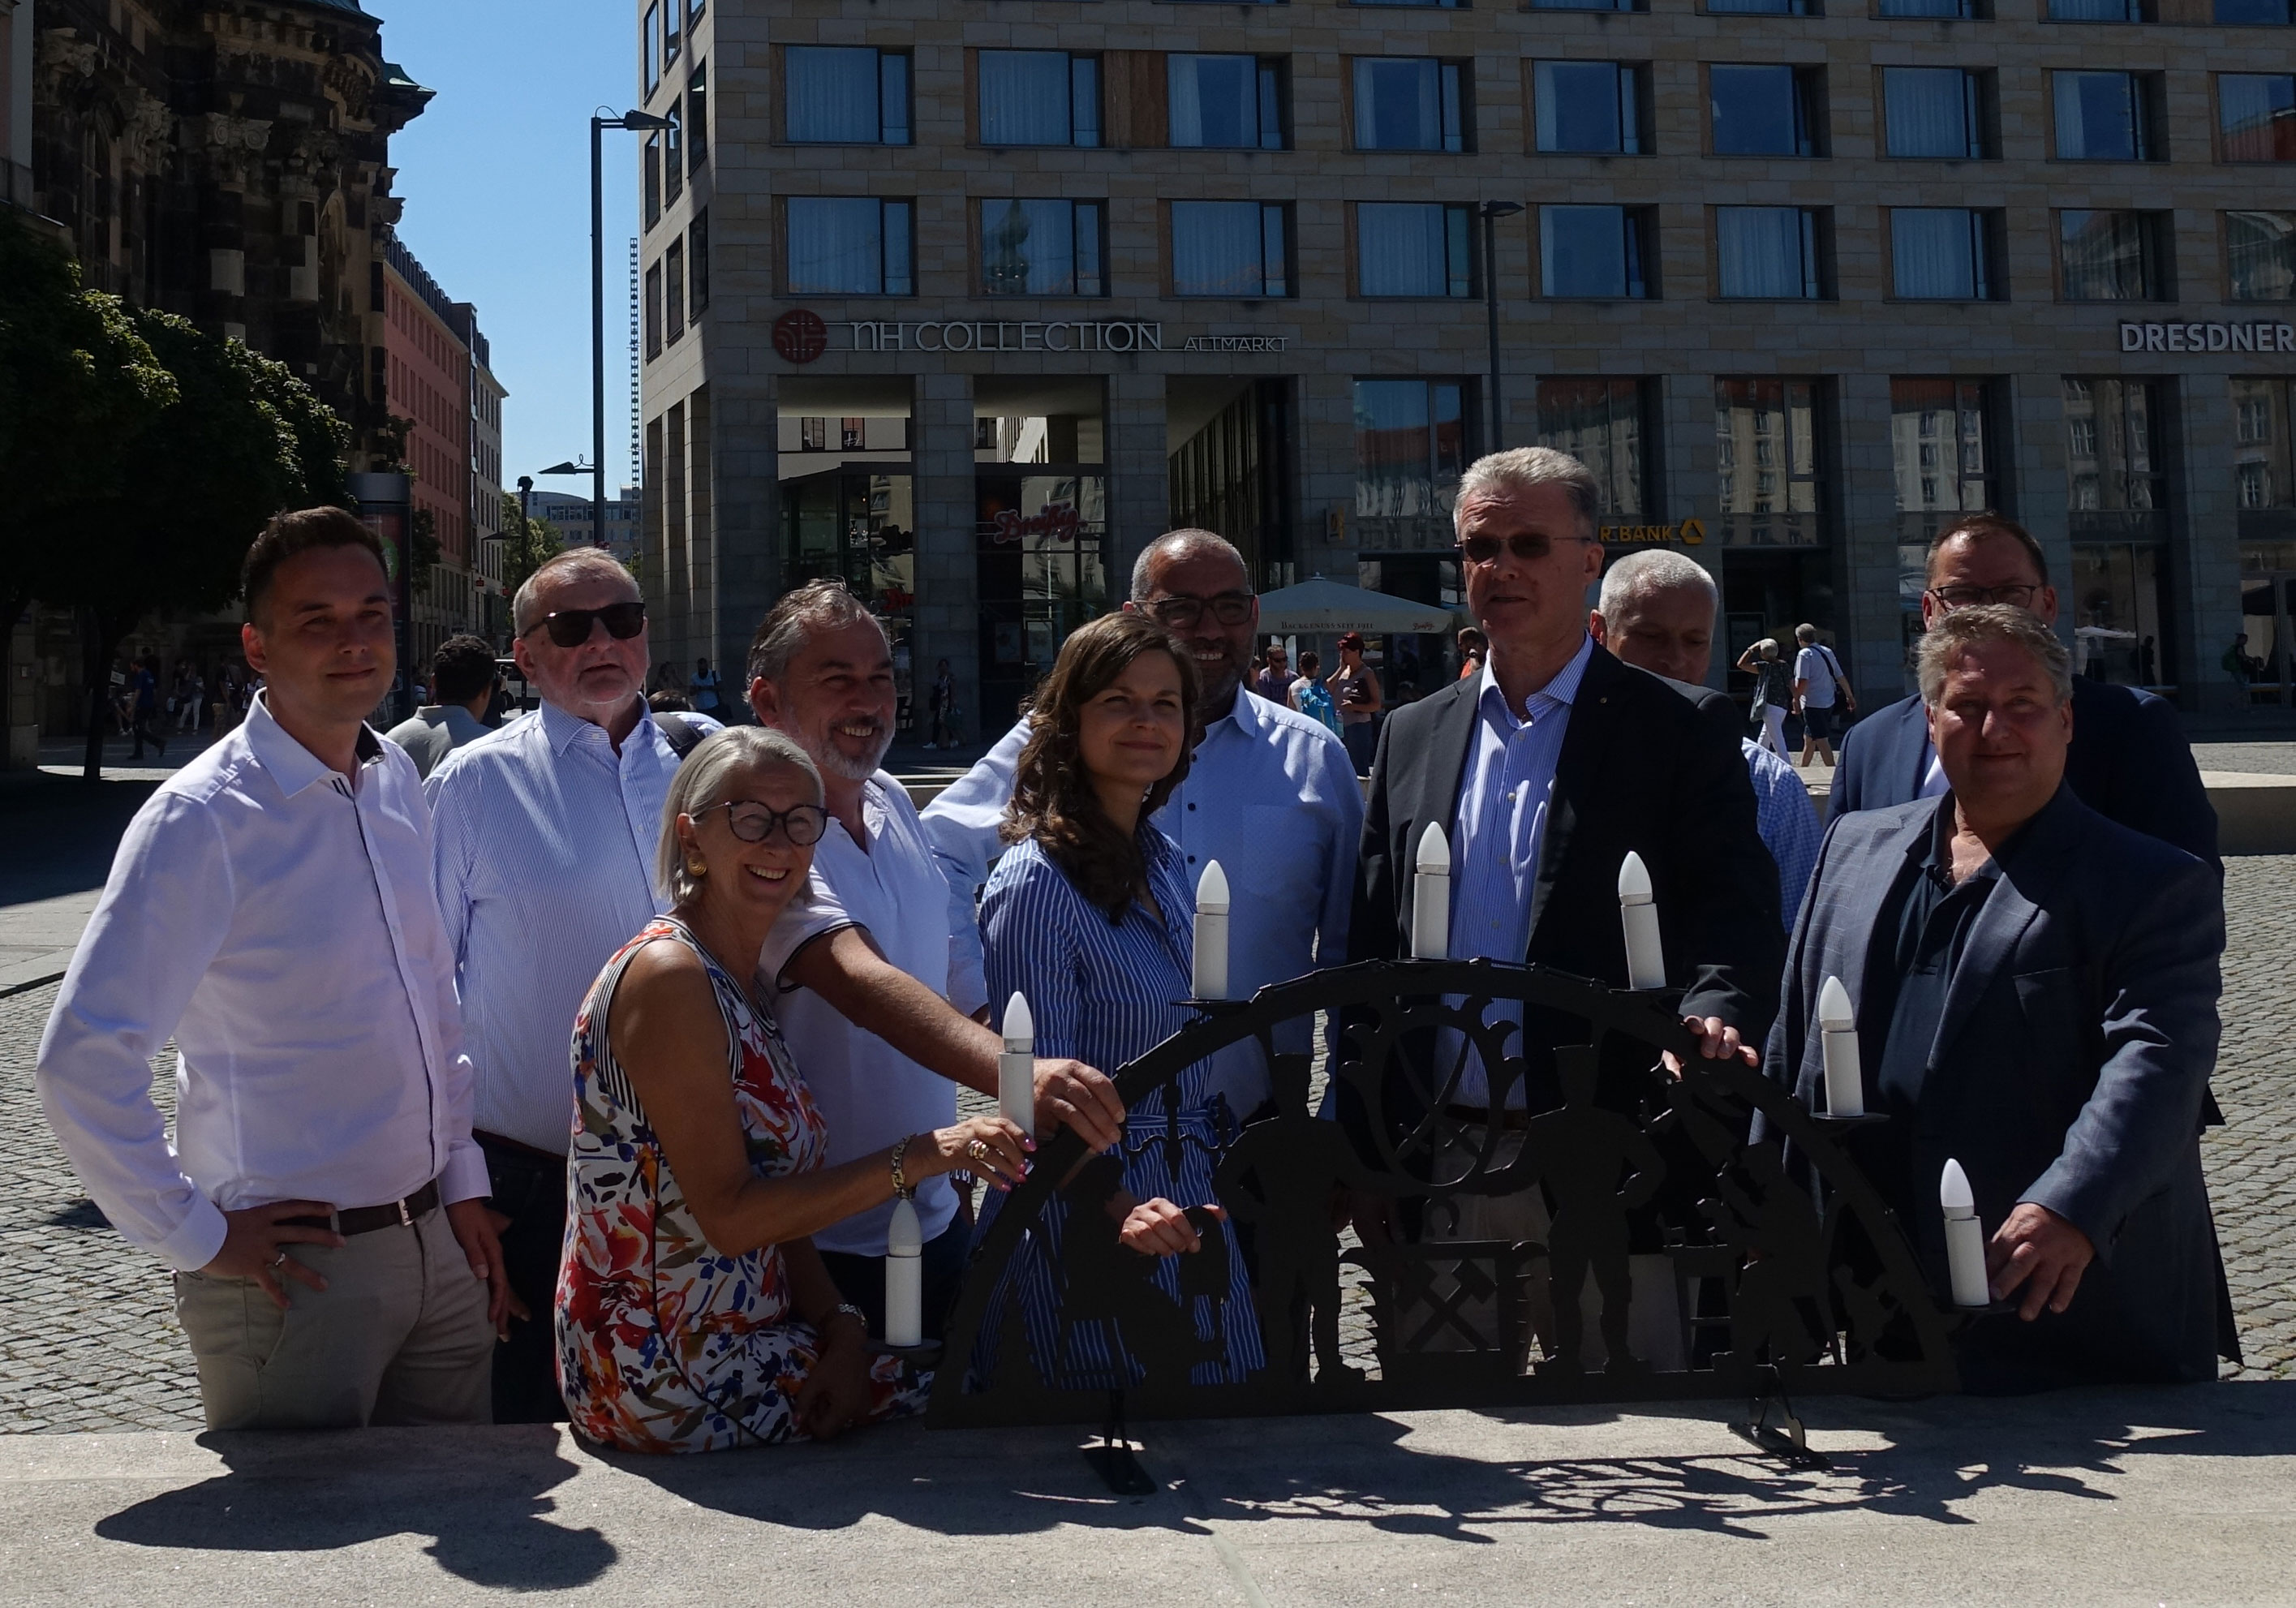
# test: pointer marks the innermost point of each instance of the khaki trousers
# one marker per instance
(1654, 1311)
(399, 1336)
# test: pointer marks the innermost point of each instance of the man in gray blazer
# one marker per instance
(2035, 992)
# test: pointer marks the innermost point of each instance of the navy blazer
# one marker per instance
(2130, 762)
(2067, 1069)
(1642, 768)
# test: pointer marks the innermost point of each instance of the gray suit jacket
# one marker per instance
(2067, 1069)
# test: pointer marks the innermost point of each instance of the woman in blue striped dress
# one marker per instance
(1089, 916)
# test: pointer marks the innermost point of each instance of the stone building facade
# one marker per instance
(967, 303)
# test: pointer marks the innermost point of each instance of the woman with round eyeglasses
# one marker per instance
(693, 1313)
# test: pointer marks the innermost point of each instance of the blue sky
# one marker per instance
(495, 176)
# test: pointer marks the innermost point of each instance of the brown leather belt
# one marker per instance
(366, 1219)
(1480, 1116)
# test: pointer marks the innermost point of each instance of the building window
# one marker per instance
(653, 179)
(1766, 447)
(693, 13)
(1602, 423)
(673, 280)
(836, 95)
(1936, 113)
(853, 434)
(812, 435)
(1453, 3)
(1038, 97)
(1942, 436)
(1763, 111)
(1767, 8)
(654, 311)
(1945, 254)
(1930, 8)
(2116, 498)
(1230, 249)
(1041, 247)
(1411, 448)
(2113, 256)
(1769, 253)
(1594, 253)
(849, 246)
(2112, 446)
(2269, 14)
(1413, 249)
(2264, 472)
(2261, 255)
(1587, 5)
(673, 32)
(1226, 103)
(673, 157)
(1410, 104)
(2108, 117)
(648, 51)
(2097, 11)
(1593, 106)
(697, 257)
(2256, 117)
(697, 117)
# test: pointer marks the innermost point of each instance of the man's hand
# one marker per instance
(1070, 1092)
(1717, 1040)
(475, 1233)
(2042, 1251)
(255, 1246)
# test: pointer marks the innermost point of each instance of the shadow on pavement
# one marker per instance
(76, 826)
(321, 1492)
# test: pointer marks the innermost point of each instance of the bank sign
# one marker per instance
(2255, 337)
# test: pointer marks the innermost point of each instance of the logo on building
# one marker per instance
(1690, 533)
(1059, 521)
(800, 335)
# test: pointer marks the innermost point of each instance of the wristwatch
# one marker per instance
(846, 1309)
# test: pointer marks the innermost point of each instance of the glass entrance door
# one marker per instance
(2267, 600)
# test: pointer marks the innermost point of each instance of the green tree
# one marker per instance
(526, 544)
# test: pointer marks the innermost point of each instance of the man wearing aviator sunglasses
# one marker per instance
(543, 836)
(2129, 761)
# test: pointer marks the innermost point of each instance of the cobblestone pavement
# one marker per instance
(88, 1338)
(2261, 758)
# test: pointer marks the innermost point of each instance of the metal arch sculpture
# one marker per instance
(1763, 1288)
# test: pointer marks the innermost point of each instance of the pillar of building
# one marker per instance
(1865, 605)
(743, 444)
(693, 598)
(2203, 558)
(1139, 473)
(947, 618)
(2037, 466)
(1324, 430)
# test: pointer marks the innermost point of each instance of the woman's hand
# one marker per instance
(836, 1394)
(1157, 1227)
(987, 1147)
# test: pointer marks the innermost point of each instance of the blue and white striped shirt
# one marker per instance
(1499, 827)
(1789, 827)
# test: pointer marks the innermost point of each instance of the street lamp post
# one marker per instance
(1490, 213)
(636, 122)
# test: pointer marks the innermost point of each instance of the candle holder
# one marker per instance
(1213, 1007)
(1827, 1123)
(925, 1355)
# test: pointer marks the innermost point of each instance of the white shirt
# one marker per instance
(868, 1093)
(1271, 795)
(1497, 832)
(1814, 665)
(545, 867)
(275, 919)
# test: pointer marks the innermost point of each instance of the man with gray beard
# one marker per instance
(861, 973)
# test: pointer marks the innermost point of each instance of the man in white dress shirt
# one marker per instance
(546, 833)
(865, 976)
(1271, 795)
(270, 909)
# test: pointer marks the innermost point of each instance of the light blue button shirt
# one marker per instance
(1270, 795)
(1498, 829)
(1788, 827)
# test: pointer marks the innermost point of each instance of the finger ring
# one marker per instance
(277, 1262)
(977, 1149)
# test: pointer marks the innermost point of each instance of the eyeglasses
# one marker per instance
(571, 627)
(801, 825)
(2020, 596)
(1181, 612)
(1530, 549)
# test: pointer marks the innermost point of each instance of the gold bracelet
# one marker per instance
(900, 1182)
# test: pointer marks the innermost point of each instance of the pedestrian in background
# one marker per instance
(464, 681)
(1773, 692)
(1274, 683)
(1473, 647)
(144, 695)
(270, 910)
(1355, 688)
(1310, 696)
(704, 691)
(545, 832)
(1820, 689)
(942, 697)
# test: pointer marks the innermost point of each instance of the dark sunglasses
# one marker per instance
(571, 627)
(1182, 613)
(1530, 549)
(801, 825)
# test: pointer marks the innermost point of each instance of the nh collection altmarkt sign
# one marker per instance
(1007, 335)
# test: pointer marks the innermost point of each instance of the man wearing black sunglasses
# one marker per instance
(544, 834)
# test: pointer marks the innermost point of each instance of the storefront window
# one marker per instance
(1602, 423)
(2264, 468)
(1040, 534)
(1411, 448)
(2117, 511)
(2112, 451)
(1040, 248)
(1767, 451)
(2117, 599)
(1943, 436)
(1233, 473)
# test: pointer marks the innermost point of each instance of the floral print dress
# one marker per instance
(666, 1344)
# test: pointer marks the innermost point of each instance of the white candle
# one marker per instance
(1845, 1078)
(904, 1277)
(1016, 1068)
(1211, 932)
(1430, 897)
(1638, 912)
(1965, 1239)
